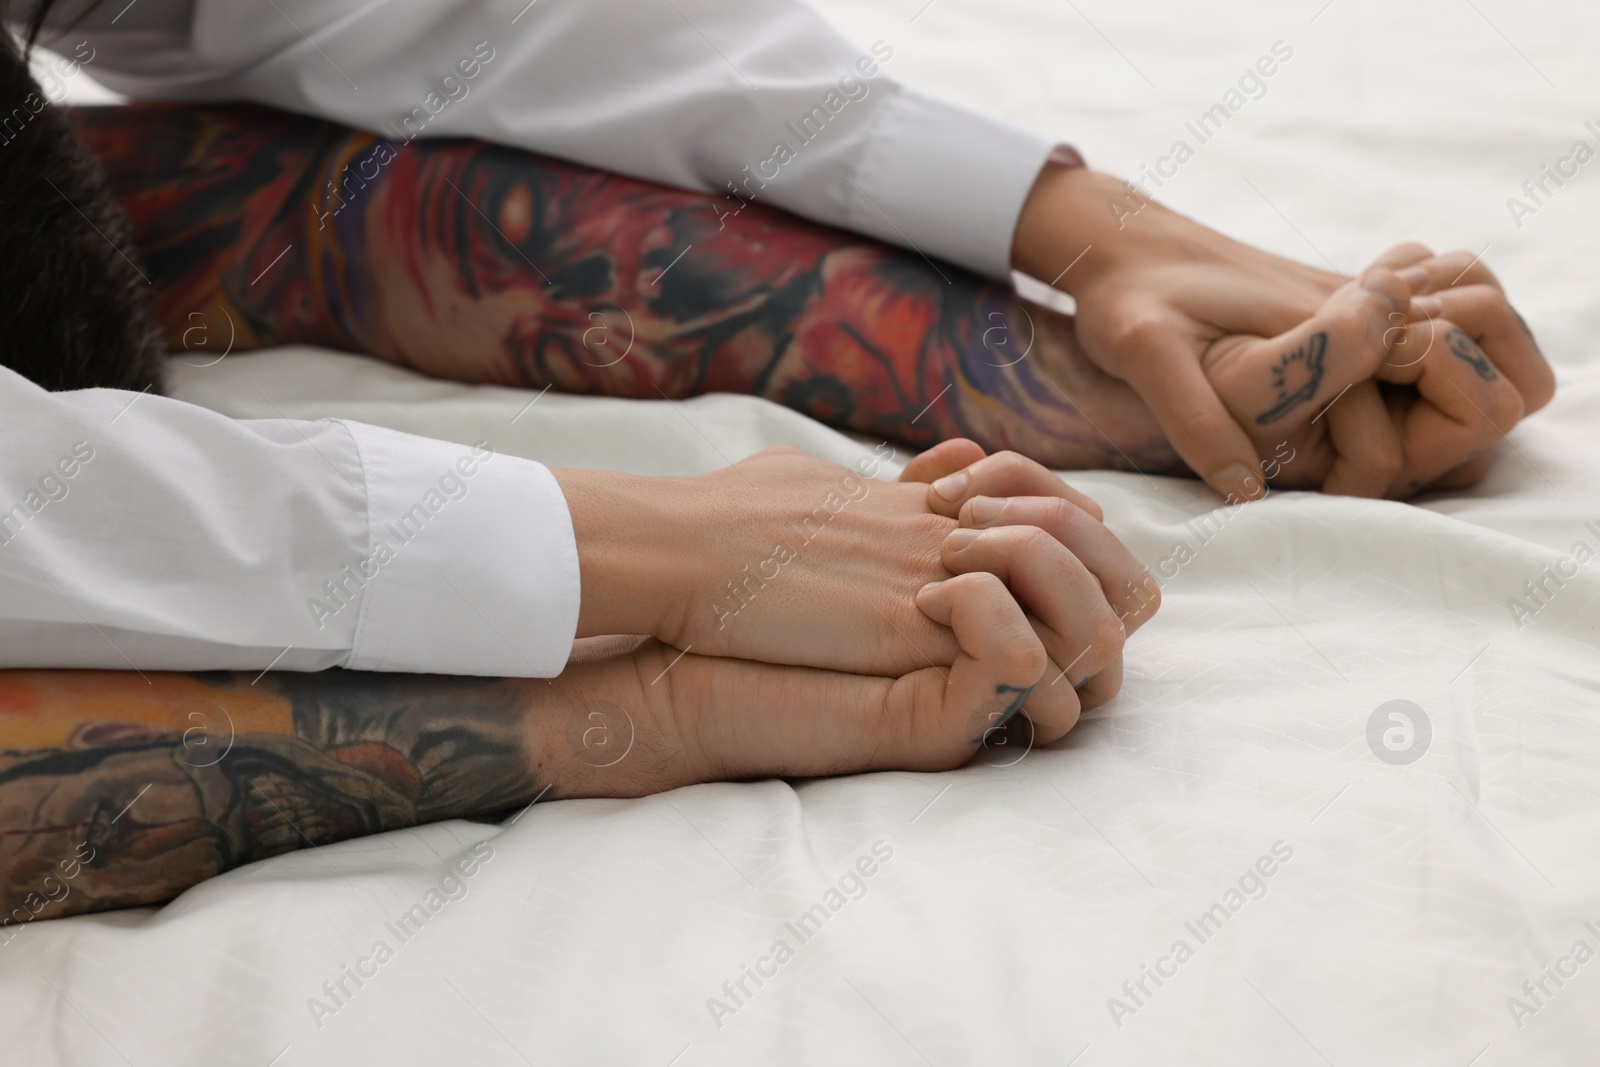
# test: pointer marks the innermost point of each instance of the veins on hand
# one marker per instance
(1297, 376)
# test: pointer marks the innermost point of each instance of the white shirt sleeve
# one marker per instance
(758, 99)
(141, 532)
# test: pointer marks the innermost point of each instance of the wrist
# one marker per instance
(1067, 228)
(632, 563)
(600, 730)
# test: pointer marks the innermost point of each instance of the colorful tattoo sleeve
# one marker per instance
(483, 263)
(119, 789)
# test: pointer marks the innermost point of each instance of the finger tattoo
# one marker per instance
(1466, 349)
(1297, 376)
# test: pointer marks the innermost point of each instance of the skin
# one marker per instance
(1163, 300)
(238, 181)
(786, 558)
(483, 263)
(123, 788)
(1025, 590)
(487, 264)
(120, 789)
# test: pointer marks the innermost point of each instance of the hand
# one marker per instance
(1007, 489)
(1156, 291)
(708, 718)
(1153, 290)
(1471, 320)
(1309, 398)
(1321, 401)
(788, 559)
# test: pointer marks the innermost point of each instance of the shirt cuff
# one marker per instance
(948, 181)
(472, 565)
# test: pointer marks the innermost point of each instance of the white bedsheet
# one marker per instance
(1016, 900)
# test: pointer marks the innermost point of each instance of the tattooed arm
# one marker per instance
(124, 788)
(119, 789)
(483, 263)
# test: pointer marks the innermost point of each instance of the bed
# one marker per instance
(1346, 809)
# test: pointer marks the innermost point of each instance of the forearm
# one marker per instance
(483, 263)
(120, 789)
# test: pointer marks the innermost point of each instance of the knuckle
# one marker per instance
(981, 584)
(1487, 296)
(1000, 467)
(1107, 635)
(1009, 458)
(1504, 407)
(1543, 390)
(1433, 330)
(1145, 593)
(1408, 250)
(1092, 506)
(1033, 541)
(1137, 331)
(1480, 302)
(1023, 658)
(1106, 689)
(1363, 322)
(1464, 266)
(1063, 513)
(1067, 720)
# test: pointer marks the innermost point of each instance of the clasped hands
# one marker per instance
(805, 619)
(1390, 384)
(1400, 382)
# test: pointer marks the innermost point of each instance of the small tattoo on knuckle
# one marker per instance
(1466, 349)
(1297, 377)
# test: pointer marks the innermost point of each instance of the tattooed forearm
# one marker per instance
(1466, 349)
(117, 791)
(1297, 376)
(484, 263)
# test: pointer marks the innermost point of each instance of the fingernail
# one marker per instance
(1430, 306)
(1237, 482)
(1416, 277)
(986, 508)
(959, 539)
(951, 486)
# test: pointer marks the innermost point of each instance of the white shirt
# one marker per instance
(686, 92)
(142, 532)
(185, 540)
